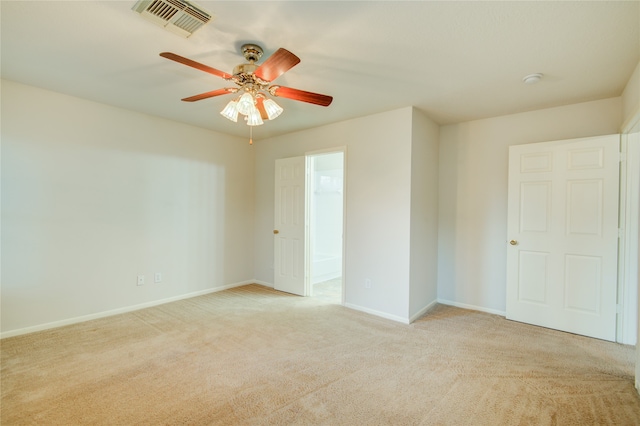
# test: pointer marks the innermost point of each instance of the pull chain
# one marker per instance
(250, 135)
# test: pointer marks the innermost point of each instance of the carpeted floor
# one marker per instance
(328, 291)
(254, 356)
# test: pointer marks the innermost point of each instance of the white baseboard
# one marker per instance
(126, 309)
(423, 311)
(377, 313)
(403, 320)
(76, 320)
(472, 307)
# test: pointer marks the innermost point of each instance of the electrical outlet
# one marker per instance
(157, 277)
(367, 283)
(140, 279)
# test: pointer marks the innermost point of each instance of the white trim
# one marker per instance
(626, 332)
(342, 148)
(345, 172)
(423, 311)
(629, 126)
(308, 247)
(118, 311)
(263, 283)
(377, 313)
(472, 307)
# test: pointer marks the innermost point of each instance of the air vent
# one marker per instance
(178, 16)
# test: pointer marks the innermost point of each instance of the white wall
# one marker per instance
(377, 184)
(631, 96)
(473, 156)
(94, 195)
(424, 214)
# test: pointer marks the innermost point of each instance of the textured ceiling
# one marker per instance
(456, 61)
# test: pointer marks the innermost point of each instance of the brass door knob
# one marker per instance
(275, 231)
(513, 242)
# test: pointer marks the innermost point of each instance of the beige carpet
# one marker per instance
(254, 356)
(328, 291)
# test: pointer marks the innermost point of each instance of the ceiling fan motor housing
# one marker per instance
(252, 52)
(245, 68)
(243, 74)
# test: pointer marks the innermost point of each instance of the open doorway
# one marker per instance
(326, 214)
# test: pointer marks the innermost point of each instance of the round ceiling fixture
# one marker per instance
(532, 78)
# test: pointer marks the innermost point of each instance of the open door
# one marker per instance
(289, 226)
(563, 235)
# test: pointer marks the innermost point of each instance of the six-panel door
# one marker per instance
(289, 225)
(563, 234)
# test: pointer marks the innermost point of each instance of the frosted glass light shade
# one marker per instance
(245, 104)
(272, 108)
(231, 111)
(253, 118)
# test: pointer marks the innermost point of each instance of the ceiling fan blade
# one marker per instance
(210, 94)
(301, 95)
(276, 65)
(260, 106)
(196, 65)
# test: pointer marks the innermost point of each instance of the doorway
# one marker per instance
(308, 225)
(325, 219)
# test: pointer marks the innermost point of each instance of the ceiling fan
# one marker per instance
(255, 82)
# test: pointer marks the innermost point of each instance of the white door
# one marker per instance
(289, 225)
(563, 235)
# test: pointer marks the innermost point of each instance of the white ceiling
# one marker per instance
(454, 60)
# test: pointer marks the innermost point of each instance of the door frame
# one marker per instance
(307, 249)
(628, 324)
(632, 125)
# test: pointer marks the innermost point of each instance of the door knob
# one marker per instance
(513, 242)
(275, 231)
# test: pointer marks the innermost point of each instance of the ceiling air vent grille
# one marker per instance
(179, 16)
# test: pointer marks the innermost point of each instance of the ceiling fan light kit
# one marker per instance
(245, 104)
(272, 108)
(231, 111)
(253, 118)
(255, 83)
